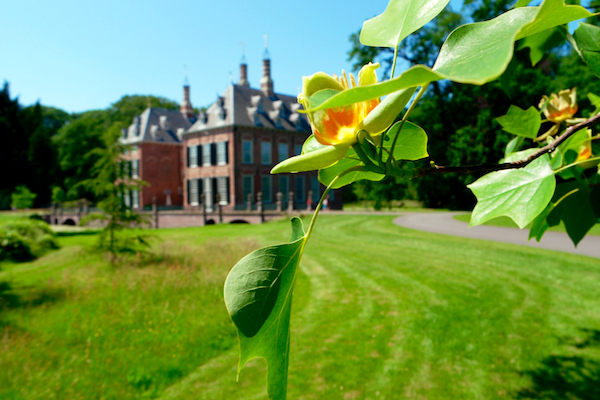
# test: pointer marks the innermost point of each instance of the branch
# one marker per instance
(484, 168)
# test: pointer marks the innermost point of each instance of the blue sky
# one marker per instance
(81, 55)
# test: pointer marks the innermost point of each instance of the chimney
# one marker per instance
(243, 74)
(266, 83)
(186, 108)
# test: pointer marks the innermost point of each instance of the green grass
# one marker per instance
(509, 223)
(379, 312)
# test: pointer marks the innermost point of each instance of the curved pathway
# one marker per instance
(444, 223)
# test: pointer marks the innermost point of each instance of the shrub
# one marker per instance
(26, 240)
(22, 197)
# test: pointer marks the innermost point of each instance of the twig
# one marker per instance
(484, 168)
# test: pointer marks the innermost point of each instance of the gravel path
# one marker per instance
(444, 223)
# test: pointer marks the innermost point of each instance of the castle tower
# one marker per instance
(186, 108)
(266, 83)
(243, 73)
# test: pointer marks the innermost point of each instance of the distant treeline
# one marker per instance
(460, 119)
(51, 152)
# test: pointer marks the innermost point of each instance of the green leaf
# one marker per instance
(318, 158)
(513, 146)
(520, 194)
(587, 38)
(311, 144)
(386, 112)
(327, 175)
(521, 122)
(575, 209)
(400, 19)
(553, 13)
(522, 3)
(258, 296)
(411, 143)
(595, 100)
(542, 42)
(540, 224)
(474, 53)
(570, 151)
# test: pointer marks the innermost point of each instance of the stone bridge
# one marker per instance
(180, 218)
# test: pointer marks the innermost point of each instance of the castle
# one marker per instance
(225, 153)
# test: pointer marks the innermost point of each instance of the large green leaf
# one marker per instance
(540, 224)
(411, 143)
(587, 38)
(520, 194)
(576, 209)
(595, 100)
(521, 122)
(258, 296)
(542, 42)
(400, 19)
(474, 53)
(327, 175)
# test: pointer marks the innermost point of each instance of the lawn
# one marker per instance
(509, 223)
(380, 312)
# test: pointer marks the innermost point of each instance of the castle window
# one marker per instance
(222, 154)
(135, 198)
(135, 168)
(193, 192)
(265, 153)
(266, 187)
(300, 189)
(223, 189)
(192, 154)
(247, 186)
(283, 150)
(247, 151)
(207, 159)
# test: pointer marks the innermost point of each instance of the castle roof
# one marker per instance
(156, 125)
(241, 105)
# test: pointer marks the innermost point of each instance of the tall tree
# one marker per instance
(460, 118)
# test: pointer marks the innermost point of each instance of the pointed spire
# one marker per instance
(186, 108)
(266, 83)
(243, 69)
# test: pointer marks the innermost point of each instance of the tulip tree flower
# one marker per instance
(336, 129)
(336, 126)
(561, 107)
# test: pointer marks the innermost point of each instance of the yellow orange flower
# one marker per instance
(337, 126)
(561, 107)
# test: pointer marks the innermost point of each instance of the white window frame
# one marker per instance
(193, 156)
(222, 153)
(206, 155)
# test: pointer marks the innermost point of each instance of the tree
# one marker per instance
(28, 151)
(110, 184)
(460, 118)
(76, 140)
(22, 198)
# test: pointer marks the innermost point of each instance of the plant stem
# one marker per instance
(403, 121)
(323, 196)
(394, 62)
(484, 168)
(575, 163)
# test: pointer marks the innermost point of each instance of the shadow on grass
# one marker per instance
(90, 232)
(573, 376)
(26, 297)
